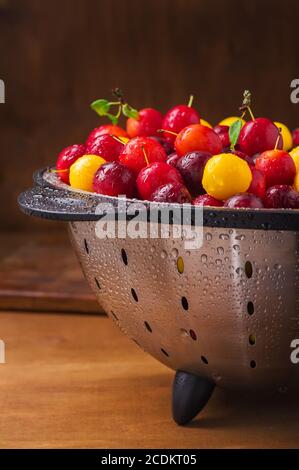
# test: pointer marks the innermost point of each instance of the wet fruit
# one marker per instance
(226, 175)
(106, 146)
(147, 123)
(172, 193)
(66, 158)
(177, 118)
(191, 167)
(197, 137)
(105, 129)
(296, 182)
(141, 151)
(258, 135)
(258, 183)
(114, 179)
(155, 175)
(230, 120)
(286, 136)
(295, 156)
(166, 144)
(207, 200)
(203, 122)
(222, 132)
(281, 197)
(244, 200)
(83, 170)
(245, 157)
(295, 136)
(173, 159)
(277, 166)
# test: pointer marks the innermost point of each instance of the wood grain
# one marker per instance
(39, 272)
(75, 381)
(59, 55)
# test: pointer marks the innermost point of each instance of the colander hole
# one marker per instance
(250, 308)
(114, 315)
(252, 364)
(180, 265)
(164, 352)
(204, 360)
(97, 283)
(252, 340)
(248, 269)
(86, 246)
(124, 256)
(134, 295)
(185, 304)
(148, 327)
(193, 335)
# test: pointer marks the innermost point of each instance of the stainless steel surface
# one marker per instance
(230, 315)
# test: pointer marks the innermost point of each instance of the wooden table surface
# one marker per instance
(76, 381)
(40, 272)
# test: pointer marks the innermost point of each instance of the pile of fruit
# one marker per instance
(180, 158)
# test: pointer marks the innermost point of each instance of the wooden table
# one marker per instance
(39, 272)
(76, 381)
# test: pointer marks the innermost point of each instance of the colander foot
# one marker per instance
(190, 393)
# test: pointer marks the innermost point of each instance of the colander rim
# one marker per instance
(71, 204)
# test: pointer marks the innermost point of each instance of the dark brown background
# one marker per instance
(56, 56)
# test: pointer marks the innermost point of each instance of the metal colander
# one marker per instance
(224, 314)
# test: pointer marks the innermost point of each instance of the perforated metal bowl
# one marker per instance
(223, 314)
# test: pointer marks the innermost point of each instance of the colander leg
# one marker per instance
(190, 394)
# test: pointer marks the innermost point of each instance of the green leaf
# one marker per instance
(234, 132)
(101, 107)
(113, 119)
(130, 112)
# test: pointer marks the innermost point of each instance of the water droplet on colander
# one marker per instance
(220, 250)
(218, 262)
(277, 266)
(217, 277)
(163, 254)
(236, 248)
(174, 253)
(240, 237)
(239, 270)
(224, 236)
(209, 237)
(204, 258)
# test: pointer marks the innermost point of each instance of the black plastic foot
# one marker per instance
(190, 394)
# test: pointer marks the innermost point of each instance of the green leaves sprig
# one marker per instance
(103, 108)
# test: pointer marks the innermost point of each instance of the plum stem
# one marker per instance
(251, 114)
(145, 155)
(117, 139)
(167, 131)
(117, 92)
(190, 102)
(246, 104)
(59, 171)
